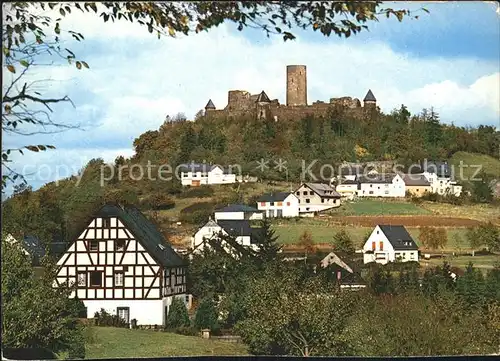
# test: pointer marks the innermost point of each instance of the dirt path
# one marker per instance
(407, 221)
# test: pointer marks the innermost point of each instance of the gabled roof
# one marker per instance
(348, 182)
(37, 250)
(263, 98)
(415, 180)
(399, 237)
(333, 258)
(376, 178)
(273, 197)
(210, 105)
(369, 97)
(237, 208)
(323, 190)
(238, 227)
(198, 167)
(146, 233)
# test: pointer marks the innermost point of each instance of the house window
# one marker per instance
(304, 193)
(96, 279)
(371, 185)
(81, 279)
(120, 245)
(94, 245)
(308, 200)
(262, 204)
(381, 245)
(288, 204)
(184, 175)
(374, 246)
(311, 193)
(322, 200)
(417, 189)
(106, 222)
(280, 204)
(119, 279)
(386, 192)
(370, 192)
(297, 193)
(272, 204)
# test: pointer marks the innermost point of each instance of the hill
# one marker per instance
(488, 164)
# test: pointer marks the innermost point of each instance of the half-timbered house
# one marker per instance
(121, 262)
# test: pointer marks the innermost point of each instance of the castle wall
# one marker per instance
(296, 85)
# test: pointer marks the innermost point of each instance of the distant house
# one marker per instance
(122, 263)
(416, 184)
(350, 171)
(33, 247)
(280, 204)
(196, 174)
(237, 212)
(347, 188)
(440, 177)
(316, 197)
(381, 185)
(389, 243)
(242, 230)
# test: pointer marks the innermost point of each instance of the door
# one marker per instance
(124, 313)
(280, 213)
(195, 183)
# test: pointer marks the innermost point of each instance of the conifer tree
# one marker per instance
(267, 242)
(177, 314)
(206, 316)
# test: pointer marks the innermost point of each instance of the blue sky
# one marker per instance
(448, 59)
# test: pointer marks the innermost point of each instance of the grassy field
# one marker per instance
(484, 261)
(488, 164)
(110, 342)
(376, 207)
(480, 212)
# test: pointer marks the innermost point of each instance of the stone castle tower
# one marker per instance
(260, 106)
(296, 85)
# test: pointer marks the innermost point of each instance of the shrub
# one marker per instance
(177, 314)
(197, 192)
(197, 213)
(187, 331)
(157, 201)
(206, 316)
(103, 318)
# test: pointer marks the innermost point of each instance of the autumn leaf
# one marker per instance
(78, 65)
(11, 68)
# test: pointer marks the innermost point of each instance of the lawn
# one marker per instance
(484, 262)
(488, 164)
(111, 342)
(376, 207)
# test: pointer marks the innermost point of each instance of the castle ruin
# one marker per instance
(260, 106)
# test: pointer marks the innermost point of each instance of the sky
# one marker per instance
(448, 59)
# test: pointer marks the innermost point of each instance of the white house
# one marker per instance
(121, 262)
(241, 230)
(238, 212)
(347, 188)
(316, 197)
(381, 185)
(439, 175)
(280, 204)
(389, 243)
(196, 174)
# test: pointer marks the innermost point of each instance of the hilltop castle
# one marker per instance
(260, 106)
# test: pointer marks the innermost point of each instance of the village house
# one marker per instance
(278, 205)
(316, 197)
(381, 185)
(388, 243)
(440, 177)
(241, 230)
(122, 263)
(347, 189)
(416, 184)
(237, 212)
(196, 174)
(345, 274)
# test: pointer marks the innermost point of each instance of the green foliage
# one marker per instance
(206, 316)
(342, 242)
(433, 238)
(267, 242)
(34, 314)
(197, 213)
(485, 235)
(481, 189)
(471, 287)
(177, 314)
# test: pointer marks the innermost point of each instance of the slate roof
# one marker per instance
(347, 181)
(321, 189)
(376, 178)
(415, 180)
(369, 97)
(442, 169)
(210, 105)
(263, 98)
(237, 228)
(145, 231)
(37, 250)
(198, 167)
(237, 208)
(398, 235)
(273, 197)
